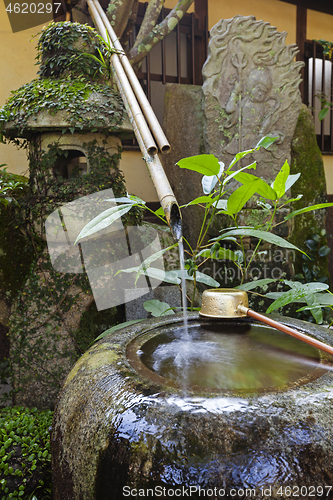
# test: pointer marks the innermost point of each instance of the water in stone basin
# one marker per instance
(253, 357)
(226, 357)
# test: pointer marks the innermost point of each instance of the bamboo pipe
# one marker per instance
(127, 89)
(159, 178)
(154, 124)
(286, 329)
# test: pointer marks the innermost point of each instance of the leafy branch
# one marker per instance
(219, 200)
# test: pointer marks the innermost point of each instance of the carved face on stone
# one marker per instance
(259, 85)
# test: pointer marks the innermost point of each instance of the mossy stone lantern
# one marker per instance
(71, 120)
(72, 104)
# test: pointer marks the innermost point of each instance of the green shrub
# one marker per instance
(25, 458)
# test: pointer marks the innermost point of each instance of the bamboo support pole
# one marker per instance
(127, 89)
(143, 135)
(140, 95)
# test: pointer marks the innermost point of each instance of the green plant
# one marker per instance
(317, 250)
(61, 45)
(327, 47)
(219, 198)
(104, 58)
(25, 465)
(325, 105)
(9, 185)
(64, 94)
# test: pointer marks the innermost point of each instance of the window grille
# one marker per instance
(178, 58)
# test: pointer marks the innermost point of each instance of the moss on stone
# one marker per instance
(306, 158)
(85, 105)
(94, 322)
(63, 47)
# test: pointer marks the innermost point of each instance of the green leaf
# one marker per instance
(323, 251)
(308, 209)
(103, 220)
(117, 327)
(221, 254)
(253, 284)
(146, 263)
(295, 199)
(122, 199)
(240, 196)
(198, 201)
(266, 141)
(204, 164)
(316, 312)
(322, 113)
(298, 292)
(312, 245)
(262, 188)
(157, 308)
(200, 278)
(279, 184)
(160, 212)
(325, 299)
(236, 172)
(92, 56)
(239, 156)
(153, 272)
(136, 199)
(261, 235)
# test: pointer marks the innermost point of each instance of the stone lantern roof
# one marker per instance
(74, 91)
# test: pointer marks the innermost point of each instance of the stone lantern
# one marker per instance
(71, 120)
(71, 105)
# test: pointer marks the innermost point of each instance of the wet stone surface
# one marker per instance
(114, 428)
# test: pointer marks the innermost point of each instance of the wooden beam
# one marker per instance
(200, 49)
(301, 20)
(201, 12)
(325, 6)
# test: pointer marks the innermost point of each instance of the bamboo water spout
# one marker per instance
(139, 110)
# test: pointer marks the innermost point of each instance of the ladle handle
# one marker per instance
(287, 329)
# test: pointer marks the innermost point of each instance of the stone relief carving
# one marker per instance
(251, 89)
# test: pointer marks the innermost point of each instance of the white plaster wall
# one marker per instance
(328, 166)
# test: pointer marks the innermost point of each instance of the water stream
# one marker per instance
(183, 284)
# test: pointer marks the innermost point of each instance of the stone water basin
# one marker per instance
(239, 407)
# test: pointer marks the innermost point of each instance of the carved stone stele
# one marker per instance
(251, 89)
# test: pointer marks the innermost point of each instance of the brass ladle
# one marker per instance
(226, 303)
